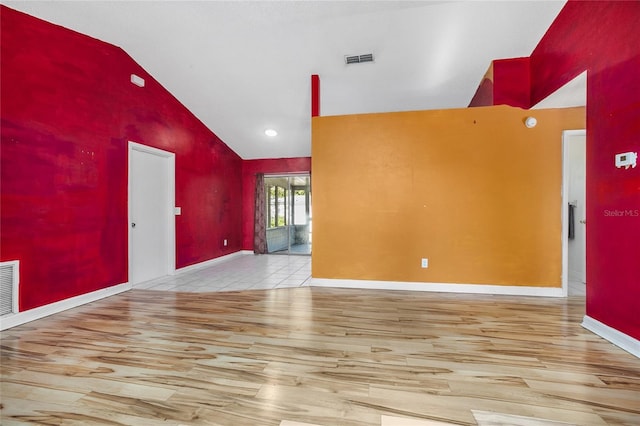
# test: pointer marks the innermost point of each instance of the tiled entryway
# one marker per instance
(241, 272)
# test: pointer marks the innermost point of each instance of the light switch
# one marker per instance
(177, 211)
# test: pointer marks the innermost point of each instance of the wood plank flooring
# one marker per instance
(314, 355)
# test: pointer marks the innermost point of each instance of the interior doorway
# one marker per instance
(151, 216)
(574, 263)
(288, 210)
(574, 211)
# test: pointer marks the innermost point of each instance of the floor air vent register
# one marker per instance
(8, 288)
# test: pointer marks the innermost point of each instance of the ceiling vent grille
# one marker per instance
(357, 59)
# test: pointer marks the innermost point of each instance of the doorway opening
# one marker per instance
(574, 278)
(288, 210)
(572, 94)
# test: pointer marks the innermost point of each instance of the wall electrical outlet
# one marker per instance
(425, 262)
(224, 242)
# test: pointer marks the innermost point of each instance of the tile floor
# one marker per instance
(241, 272)
(246, 271)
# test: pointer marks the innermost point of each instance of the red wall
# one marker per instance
(513, 75)
(68, 110)
(484, 94)
(511, 87)
(249, 170)
(600, 37)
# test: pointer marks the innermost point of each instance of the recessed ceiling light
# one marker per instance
(270, 132)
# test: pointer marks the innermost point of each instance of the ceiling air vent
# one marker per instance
(356, 59)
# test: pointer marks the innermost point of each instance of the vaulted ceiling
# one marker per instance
(244, 66)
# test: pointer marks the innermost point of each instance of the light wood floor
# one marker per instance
(314, 355)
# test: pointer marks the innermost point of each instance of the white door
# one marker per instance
(151, 226)
(575, 167)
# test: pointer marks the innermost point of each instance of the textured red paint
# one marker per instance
(315, 95)
(511, 78)
(267, 166)
(510, 84)
(68, 110)
(601, 37)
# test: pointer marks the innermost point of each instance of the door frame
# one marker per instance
(171, 188)
(306, 174)
(565, 207)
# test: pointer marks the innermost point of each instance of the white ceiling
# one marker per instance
(572, 94)
(244, 66)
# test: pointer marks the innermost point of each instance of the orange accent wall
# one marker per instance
(472, 190)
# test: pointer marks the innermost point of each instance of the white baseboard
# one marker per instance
(618, 338)
(513, 290)
(212, 262)
(13, 320)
